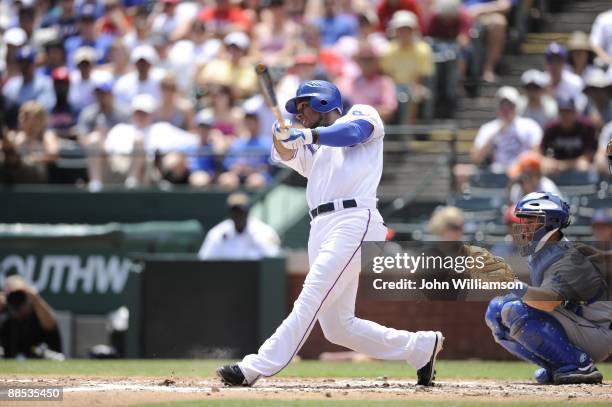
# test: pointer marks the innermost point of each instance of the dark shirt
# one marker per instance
(62, 118)
(564, 144)
(20, 336)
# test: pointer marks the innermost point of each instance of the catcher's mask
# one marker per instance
(609, 151)
(540, 214)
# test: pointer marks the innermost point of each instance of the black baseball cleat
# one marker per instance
(584, 375)
(427, 374)
(231, 375)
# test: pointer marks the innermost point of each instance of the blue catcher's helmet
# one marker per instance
(323, 97)
(547, 213)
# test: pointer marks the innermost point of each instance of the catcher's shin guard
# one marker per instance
(541, 334)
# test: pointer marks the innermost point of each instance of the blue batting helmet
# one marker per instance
(551, 213)
(323, 97)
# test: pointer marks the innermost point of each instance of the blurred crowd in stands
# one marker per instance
(141, 92)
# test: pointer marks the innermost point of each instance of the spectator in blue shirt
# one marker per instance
(202, 165)
(63, 18)
(29, 85)
(88, 37)
(247, 161)
(334, 25)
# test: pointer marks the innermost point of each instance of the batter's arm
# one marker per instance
(344, 134)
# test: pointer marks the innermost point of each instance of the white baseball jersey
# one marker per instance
(342, 172)
(334, 255)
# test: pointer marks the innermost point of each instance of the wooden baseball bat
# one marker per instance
(268, 92)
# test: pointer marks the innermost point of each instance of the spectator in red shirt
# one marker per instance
(569, 143)
(223, 18)
(386, 8)
(115, 21)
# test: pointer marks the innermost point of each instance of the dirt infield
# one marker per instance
(121, 391)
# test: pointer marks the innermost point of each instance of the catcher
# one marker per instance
(562, 322)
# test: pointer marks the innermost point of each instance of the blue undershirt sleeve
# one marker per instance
(345, 134)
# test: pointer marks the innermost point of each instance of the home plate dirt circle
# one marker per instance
(82, 390)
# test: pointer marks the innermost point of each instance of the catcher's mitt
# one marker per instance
(488, 267)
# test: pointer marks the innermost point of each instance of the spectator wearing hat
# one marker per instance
(569, 142)
(144, 79)
(387, 8)
(232, 69)
(581, 55)
(12, 39)
(335, 23)
(560, 81)
(526, 177)
(276, 37)
(371, 87)
(535, 103)
(409, 61)
(63, 18)
(93, 124)
(126, 142)
(63, 116)
(240, 237)
(201, 158)
(28, 85)
(601, 225)
(492, 15)
(502, 140)
(173, 108)
(598, 89)
(81, 85)
(88, 37)
(32, 149)
(247, 160)
(601, 36)
(136, 144)
(223, 17)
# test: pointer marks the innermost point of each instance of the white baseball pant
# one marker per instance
(329, 295)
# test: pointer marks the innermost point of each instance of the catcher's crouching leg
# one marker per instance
(501, 332)
(542, 336)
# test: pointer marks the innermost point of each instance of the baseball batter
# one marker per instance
(563, 321)
(342, 157)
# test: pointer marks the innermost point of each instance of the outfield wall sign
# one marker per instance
(70, 273)
(82, 283)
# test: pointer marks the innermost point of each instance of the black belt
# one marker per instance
(329, 207)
